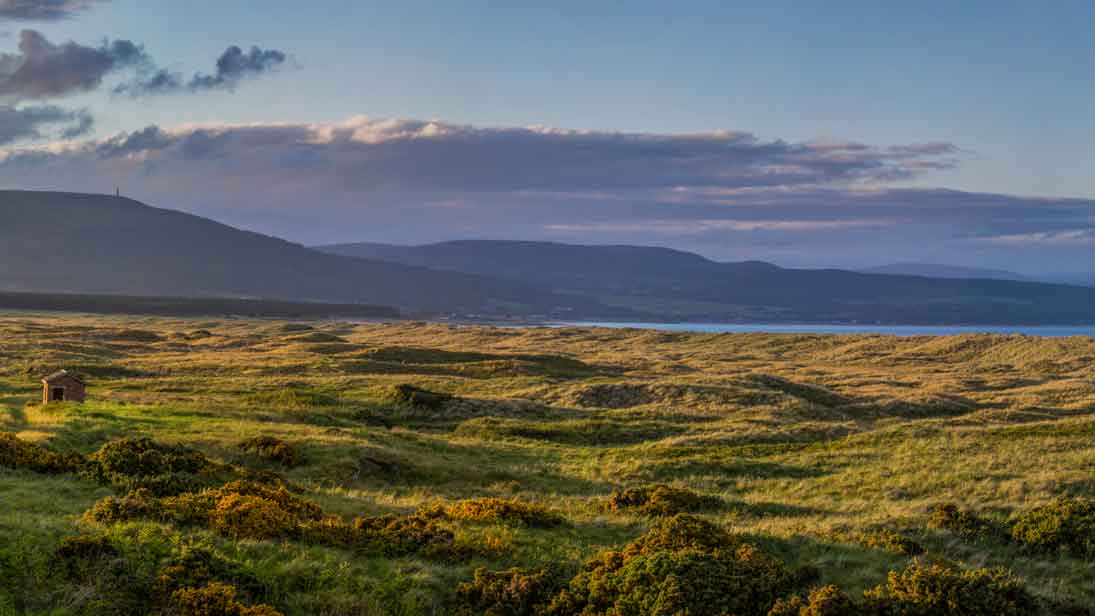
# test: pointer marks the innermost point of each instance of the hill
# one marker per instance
(78, 243)
(932, 270)
(681, 285)
(419, 469)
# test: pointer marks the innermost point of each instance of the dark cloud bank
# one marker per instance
(42, 10)
(43, 70)
(726, 194)
(233, 66)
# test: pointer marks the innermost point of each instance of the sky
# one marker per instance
(809, 134)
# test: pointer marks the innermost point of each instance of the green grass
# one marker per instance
(812, 442)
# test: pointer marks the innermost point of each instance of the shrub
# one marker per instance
(824, 601)
(216, 599)
(745, 582)
(661, 500)
(198, 565)
(253, 517)
(1066, 523)
(510, 511)
(682, 565)
(514, 592)
(167, 484)
(143, 457)
(80, 553)
(963, 523)
(398, 536)
(683, 532)
(890, 541)
(134, 505)
(272, 449)
(946, 590)
(416, 397)
(19, 454)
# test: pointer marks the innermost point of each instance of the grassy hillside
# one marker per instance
(831, 455)
(78, 243)
(680, 285)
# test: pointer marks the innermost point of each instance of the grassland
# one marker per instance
(805, 445)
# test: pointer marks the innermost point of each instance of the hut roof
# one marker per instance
(61, 374)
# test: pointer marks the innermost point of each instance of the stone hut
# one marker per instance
(61, 386)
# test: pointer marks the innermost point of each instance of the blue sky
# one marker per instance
(1007, 84)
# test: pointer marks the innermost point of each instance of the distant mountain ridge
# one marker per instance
(933, 270)
(679, 285)
(79, 243)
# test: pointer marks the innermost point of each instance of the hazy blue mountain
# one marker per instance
(78, 243)
(932, 270)
(682, 285)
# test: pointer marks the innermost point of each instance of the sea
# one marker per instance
(894, 330)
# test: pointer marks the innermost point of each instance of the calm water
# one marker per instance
(897, 330)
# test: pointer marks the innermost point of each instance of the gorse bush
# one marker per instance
(197, 565)
(508, 511)
(946, 590)
(824, 601)
(143, 464)
(19, 454)
(661, 500)
(81, 553)
(216, 599)
(514, 592)
(683, 532)
(683, 565)
(272, 449)
(1066, 523)
(249, 510)
(889, 541)
(418, 398)
(964, 523)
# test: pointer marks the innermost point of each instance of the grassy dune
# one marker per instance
(810, 444)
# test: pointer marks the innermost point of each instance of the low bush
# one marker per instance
(509, 511)
(824, 601)
(244, 509)
(216, 599)
(252, 517)
(513, 592)
(418, 398)
(889, 541)
(143, 457)
(131, 506)
(19, 454)
(682, 565)
(81, 553)
(661, 500)
(197, 565)
(272, 449)
(946, 590)
(399, 536)
(683, 532)
(964, 523)
(143, 464)
(1065, 523)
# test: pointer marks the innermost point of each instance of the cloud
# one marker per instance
(233, 66)
(29, 123)
(727, 194)
(42, 10)
(44, 70)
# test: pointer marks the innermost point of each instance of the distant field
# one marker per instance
(827, 453)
